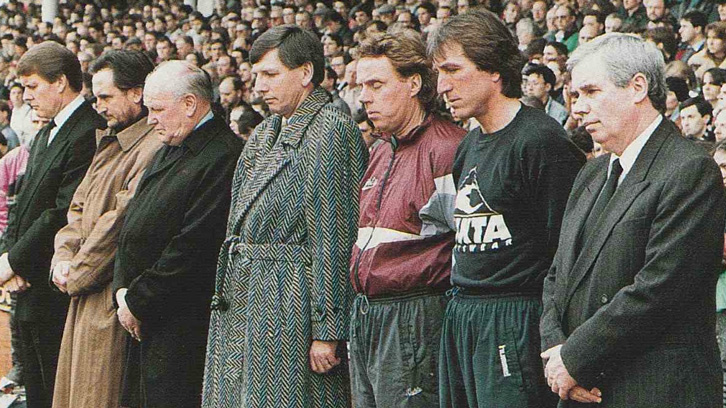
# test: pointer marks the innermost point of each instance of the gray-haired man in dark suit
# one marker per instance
(629, 301)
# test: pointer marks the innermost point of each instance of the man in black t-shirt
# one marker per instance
(513, 177)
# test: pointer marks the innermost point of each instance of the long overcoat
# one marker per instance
(282, 272)
(166, 257)
(91, 357)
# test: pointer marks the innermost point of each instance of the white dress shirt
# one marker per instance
(631, 153)
(62, 117)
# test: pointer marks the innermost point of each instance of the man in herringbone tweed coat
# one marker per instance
(280, 310)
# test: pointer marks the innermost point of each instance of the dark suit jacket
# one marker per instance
(635, 308)
(41, 210)
(167, 258)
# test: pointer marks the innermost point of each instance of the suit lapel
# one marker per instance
(630, 188)
(278, 151)
(47, 156)
(575, 222)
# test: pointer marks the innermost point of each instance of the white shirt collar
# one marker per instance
(67, 111)
(631, 153)
(62, 117)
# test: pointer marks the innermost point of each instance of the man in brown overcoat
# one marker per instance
(91, 360)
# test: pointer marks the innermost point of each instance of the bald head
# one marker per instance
(586, 34)
(187, 79)
(178, 95)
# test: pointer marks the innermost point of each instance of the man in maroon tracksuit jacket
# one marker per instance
(402, 259)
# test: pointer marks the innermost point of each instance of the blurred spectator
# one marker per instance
(613, 23)
(246, 123)
(595, 19)
(695, 118)
(693, 34)
(539, 14)
(525, 32)
(633, 14)
(330, 84)
(583, 140)
(366, 129)
(720, 127)
(677, 93)
(11, 139)
(586, 34)
(184, 46)
(21, 118)
(231, 92)
(540, 81)
(351, 90)
(711, 85)
(664, 39)
(565, 22)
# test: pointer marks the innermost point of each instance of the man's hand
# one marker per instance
(60, 275)
(16, 284)
(558, 378)
(580, 394)
(125, 317)
(322, 356)
(6, 272)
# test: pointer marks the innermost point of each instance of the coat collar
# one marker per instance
(128, 137)
(630, 188)
(292, 133)
(271, 156)
(200, 136)
(413, 134)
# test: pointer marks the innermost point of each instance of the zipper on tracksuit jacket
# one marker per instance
(394, 146)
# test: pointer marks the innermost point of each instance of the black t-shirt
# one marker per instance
(512, 188)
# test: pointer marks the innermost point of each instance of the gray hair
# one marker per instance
(180, 78)
(624, 56)
(525, 25)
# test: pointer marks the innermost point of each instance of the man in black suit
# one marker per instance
(629, 301)
(59, 158)
(167, 251)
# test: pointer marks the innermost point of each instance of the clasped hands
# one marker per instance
(13, 283)
(562, 383)
(323, 356)
(125, 317)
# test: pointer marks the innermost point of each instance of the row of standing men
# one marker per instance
(618, 259)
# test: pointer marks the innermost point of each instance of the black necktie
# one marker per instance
(41, 141)
(602, 201)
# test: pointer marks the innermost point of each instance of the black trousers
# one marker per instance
(40, 345)
(489, 356)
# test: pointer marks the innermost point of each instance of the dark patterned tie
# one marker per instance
(602, 201)
(40, 144)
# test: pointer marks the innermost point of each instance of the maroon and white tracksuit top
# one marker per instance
(406, 227)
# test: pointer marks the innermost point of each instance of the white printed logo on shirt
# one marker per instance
(478, 227)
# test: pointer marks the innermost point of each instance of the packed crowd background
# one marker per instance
(690, 34)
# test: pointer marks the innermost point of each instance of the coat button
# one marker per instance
(219, 303)
(604, 299)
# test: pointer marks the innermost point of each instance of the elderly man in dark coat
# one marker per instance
(277, 336)
(166, 257)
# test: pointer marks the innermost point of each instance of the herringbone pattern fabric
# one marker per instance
(283, 268)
